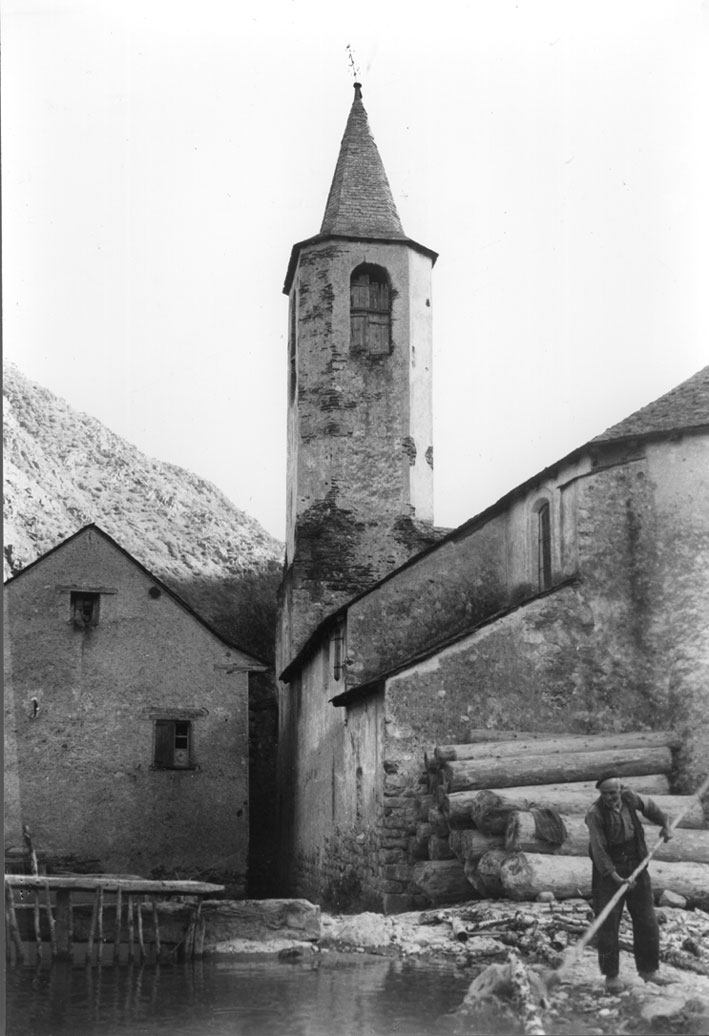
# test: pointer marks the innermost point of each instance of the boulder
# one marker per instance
(260, 920)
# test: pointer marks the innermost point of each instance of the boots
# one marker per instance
(655, 978)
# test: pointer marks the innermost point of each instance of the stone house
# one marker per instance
(126, 719)
(576, 603)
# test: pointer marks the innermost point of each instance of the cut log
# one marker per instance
(489, 810)
(418, 848)
(560, 744)
(456, 805)
(443, 881)
(525, 875)
(542, 769)
(484, 875)
(438, 822)
(690, 880)
(469, 844)
(686, 846)
(439, 849)
(423, 804)
(424, 831)
(521, 836)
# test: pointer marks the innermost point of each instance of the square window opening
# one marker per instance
(173, 745)
(85, 608)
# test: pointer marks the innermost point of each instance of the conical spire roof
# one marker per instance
(360, 203)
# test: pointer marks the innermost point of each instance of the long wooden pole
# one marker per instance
(27, 838)
(131, 930)
(37, 925)
(99, 950)
(92, 930)
(141, 943)
(583, 942)
(14, 927)
(52, 926)
(117, 940)
(156, 926)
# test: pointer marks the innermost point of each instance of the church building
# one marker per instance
(576, 603)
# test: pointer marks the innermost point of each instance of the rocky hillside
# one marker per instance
(64, 469)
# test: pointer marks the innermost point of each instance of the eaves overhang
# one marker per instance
(318, 238)
(377, 682)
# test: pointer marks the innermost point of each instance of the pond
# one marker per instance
(330, 995)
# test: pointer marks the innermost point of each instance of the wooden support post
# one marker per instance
(37, 925)
(64, 924)
(201, 931)
(50, 920)
(131, 949)
(140, 931)
(117, 939)
(99, 951)
(188, 944)
(13, 925)
(27, 838)
(156, 923)
(92, 929)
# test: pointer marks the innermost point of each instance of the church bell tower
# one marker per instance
(360, 456)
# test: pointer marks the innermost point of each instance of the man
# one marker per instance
(617, 846)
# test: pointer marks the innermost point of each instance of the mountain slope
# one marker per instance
(63, 469)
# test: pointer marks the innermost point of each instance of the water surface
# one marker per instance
(329, 996)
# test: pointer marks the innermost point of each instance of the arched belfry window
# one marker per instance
(370, 310)
(543, 544)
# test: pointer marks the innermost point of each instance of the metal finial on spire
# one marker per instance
(355, 68)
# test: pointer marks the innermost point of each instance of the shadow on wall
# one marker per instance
(242, 610)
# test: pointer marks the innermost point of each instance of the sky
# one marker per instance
(159, 160)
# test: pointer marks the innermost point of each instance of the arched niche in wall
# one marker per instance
(541, 542)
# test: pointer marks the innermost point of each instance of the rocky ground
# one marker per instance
(475, 937)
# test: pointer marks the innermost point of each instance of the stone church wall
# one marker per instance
(485, 568)
(617, 643)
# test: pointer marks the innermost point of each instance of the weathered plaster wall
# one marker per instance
(359, 434)
(678, 471)
(484, 569)
(344, 817)
(85, 783)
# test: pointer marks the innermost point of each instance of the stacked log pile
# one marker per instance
(479, 818)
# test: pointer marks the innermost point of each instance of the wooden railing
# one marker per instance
(51, 897)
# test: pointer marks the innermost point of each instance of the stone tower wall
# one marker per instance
(360, 466)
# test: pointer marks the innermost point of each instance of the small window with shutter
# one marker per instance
(173, 744)
(370, 310)
(84, 608)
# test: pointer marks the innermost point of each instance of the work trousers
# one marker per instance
(646, 933)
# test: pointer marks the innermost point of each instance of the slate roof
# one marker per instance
(360, 202)
(686, 406)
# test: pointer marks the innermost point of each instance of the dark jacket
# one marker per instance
(599, 849)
